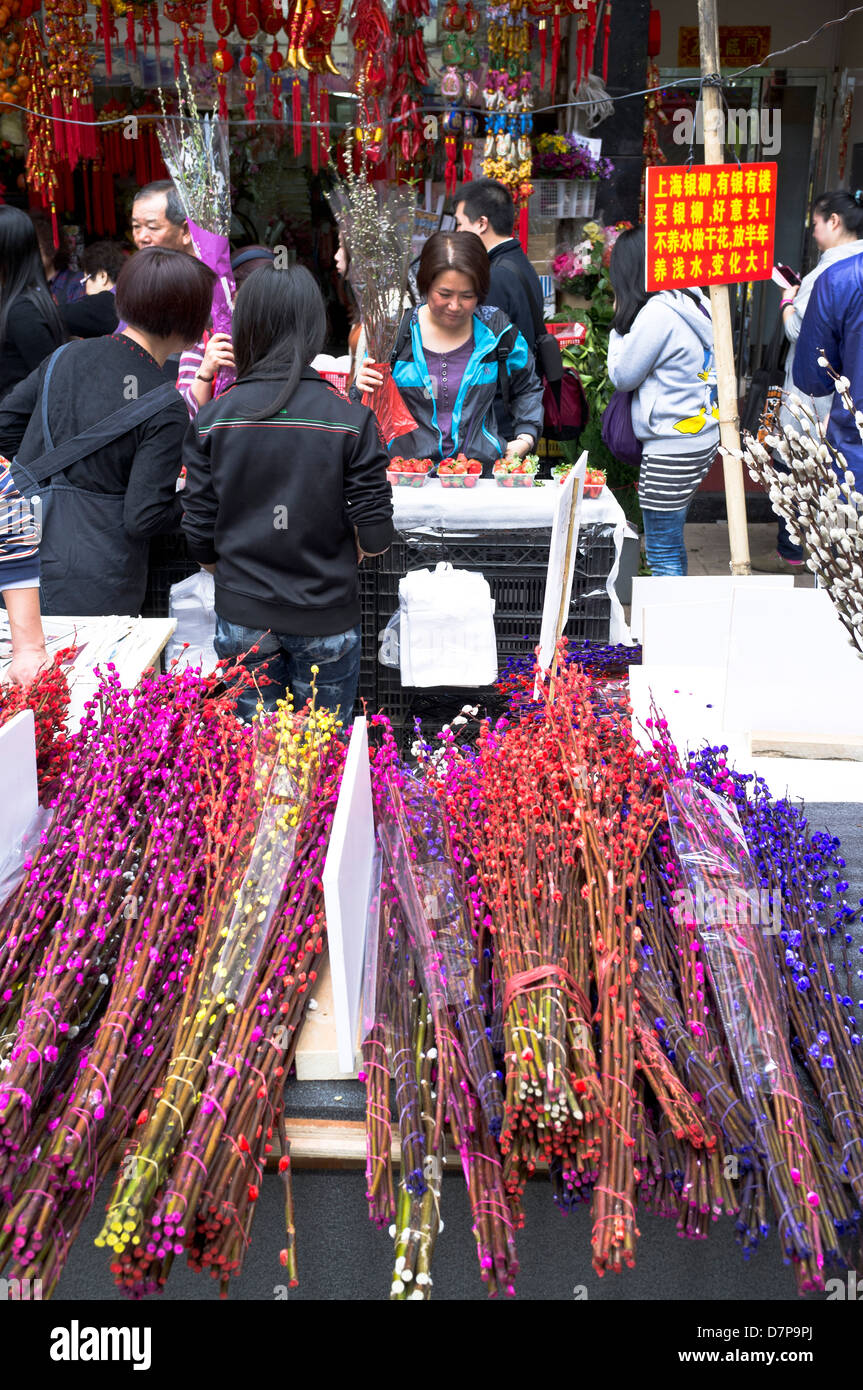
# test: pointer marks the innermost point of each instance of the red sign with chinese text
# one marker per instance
(738, 43)
(709, 224)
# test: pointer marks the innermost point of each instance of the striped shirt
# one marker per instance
(668, 484)
(190, 365)
(19, 541)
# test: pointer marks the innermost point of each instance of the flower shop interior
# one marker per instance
(542, 970)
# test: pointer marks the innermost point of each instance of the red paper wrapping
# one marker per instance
(393, 415)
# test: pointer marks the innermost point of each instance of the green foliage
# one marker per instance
(590, 360)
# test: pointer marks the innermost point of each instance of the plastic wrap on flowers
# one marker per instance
(215, 251)
(712, 850)
(720, 909)
(393, 415)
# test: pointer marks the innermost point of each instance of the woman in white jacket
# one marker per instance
(837, 224)
(661, 349)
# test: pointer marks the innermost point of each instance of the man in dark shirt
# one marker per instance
(486, 208)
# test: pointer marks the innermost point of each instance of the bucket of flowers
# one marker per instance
(566, 176)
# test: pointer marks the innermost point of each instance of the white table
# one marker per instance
(132, 644)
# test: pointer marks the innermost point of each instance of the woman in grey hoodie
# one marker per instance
(661, 349)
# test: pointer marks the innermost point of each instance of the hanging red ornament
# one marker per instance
(275, 62)
(271, 16)
(108, 30)
(130, 46)
(246, 18)
(223, 61)
(324, 118)
(249, 67)
(314, 139)
(223, 17)
(297, 116)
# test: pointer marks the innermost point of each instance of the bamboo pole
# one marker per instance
(726, 376)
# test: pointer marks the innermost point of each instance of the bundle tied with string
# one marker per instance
(197, 157)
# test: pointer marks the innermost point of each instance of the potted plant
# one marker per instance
(566, 176)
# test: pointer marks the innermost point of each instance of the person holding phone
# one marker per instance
(837, 223)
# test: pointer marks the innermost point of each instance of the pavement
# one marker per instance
(709, 551)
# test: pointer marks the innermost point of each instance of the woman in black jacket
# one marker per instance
(30, 324)
(97, 431)
(286, 491)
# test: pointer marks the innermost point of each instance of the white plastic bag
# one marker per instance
(447, 628)
(193, 606)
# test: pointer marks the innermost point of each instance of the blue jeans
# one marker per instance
(663, 541)
(287, 663)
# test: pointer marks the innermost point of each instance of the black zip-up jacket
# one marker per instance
(273, 504)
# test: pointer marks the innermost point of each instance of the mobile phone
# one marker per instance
(785, 277)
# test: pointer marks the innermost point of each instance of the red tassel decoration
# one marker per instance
(522, 228)
(606, 27)
(131, 47)
(202, 52)
(86, 177)
(59, 126)
(107, 22)
(555, 51)
(314, 141)
(54, 228)
(275, 62)
(154, 20)
(223, 61)
(176, 60)
(467, 160)
(324, 115)
(297, 115)
(542, 54)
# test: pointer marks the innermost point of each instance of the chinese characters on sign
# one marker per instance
(709, 224)
(738, 43)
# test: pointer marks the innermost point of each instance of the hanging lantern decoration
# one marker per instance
(190, 20)
(411, 148)
(223, 61)
(249, 67)
(508, 96)
(460, 89)
(371, 36)
(275, 62)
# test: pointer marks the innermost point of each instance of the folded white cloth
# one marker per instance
(447, 628)
(193, 605)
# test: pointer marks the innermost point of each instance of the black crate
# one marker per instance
(169, 563)
(515, 565)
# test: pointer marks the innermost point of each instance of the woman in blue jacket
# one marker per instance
(450, 352)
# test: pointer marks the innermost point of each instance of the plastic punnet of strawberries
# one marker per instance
(460, 464)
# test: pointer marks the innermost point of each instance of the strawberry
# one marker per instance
(474, 466)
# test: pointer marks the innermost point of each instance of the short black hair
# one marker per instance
(109, 256)
(490, 199)
(166, 293)
(462, 251)
(174, 210)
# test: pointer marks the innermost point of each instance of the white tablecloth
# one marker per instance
(488, 507)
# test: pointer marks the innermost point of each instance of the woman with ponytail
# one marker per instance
(832, 325)
(286, 491)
